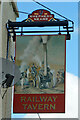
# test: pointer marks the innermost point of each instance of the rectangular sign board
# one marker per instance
(42, 63)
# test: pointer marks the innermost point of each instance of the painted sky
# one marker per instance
(30, 49)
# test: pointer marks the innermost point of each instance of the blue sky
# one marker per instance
(69, 10)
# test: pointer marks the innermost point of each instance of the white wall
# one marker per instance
(6, 13)
(0, 32)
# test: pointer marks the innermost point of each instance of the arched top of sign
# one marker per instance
(40, 15)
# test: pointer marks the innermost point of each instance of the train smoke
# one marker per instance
(30, 52)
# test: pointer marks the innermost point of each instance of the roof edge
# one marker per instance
(15, 8)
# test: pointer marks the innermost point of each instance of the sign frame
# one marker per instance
(17, 97)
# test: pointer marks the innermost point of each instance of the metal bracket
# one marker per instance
(13, 27)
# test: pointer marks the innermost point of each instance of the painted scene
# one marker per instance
(41, 61)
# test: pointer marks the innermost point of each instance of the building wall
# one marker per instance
(0, 63)
(7, 12)
(0, 32)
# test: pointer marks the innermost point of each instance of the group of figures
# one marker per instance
(60, 76)
(33, 76)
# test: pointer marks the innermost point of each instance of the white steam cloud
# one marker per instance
(30, 52)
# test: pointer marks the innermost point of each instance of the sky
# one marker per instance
(69, 10)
